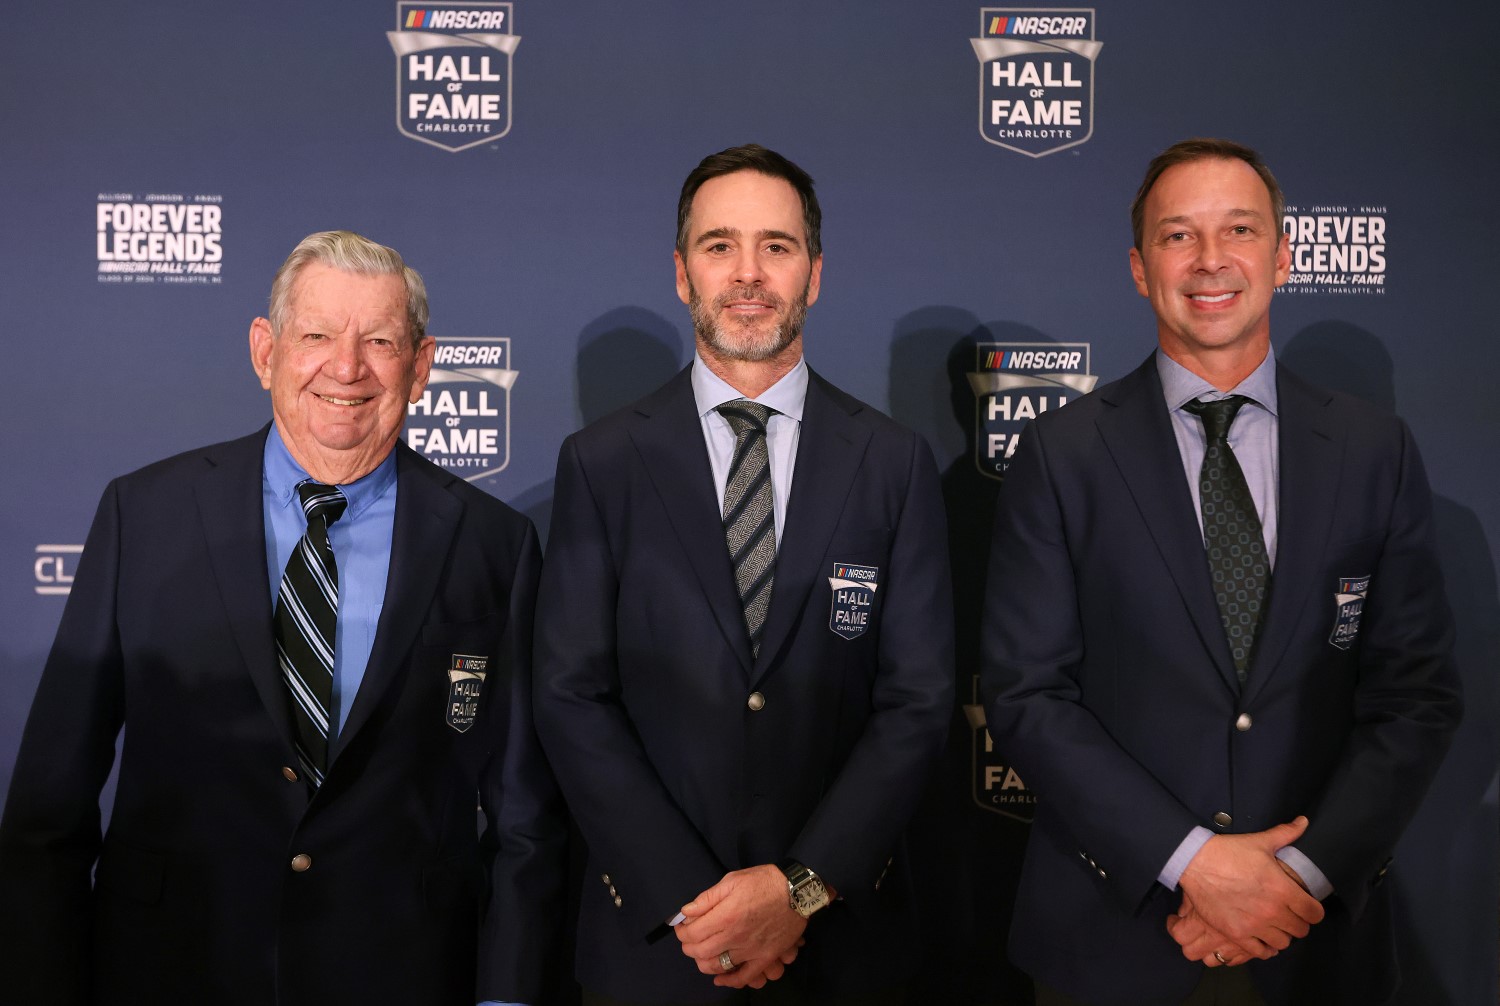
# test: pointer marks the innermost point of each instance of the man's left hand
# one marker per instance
(748, 914)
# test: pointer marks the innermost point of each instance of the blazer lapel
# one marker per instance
(830, 446)
(427, 518)
(1138, 435)
(1311, 452)
(230, 511)
(668, 438)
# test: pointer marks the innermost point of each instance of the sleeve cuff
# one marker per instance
(1317, 883)
(1172, 872)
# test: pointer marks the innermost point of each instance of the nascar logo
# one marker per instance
(453, 72)
(1036, 78)
(462, 420)
(1016, 382)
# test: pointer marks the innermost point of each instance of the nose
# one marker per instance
(1210, 253)
(747, 268)
(348, 363)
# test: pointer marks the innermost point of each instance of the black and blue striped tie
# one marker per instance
(749, 513)
(306, 621)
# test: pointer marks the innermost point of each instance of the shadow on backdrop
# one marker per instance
(972, 828)
(1447, 879)
(623, 355)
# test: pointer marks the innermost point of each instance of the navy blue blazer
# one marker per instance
(1108, 680)
(195, 899)
(683, 758)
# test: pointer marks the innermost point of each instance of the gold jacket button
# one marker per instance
(756, 702)
(301, 862)
(288, 773)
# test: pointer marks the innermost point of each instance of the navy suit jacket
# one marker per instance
(168, 632)
(683, 758)
(1108, 680)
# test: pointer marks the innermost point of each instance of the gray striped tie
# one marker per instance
(306, 621)
(749, 513)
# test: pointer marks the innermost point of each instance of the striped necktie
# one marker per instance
(306, 621)
(1231, 532)
(750, 514)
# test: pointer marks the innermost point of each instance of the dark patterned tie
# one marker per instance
(1231, 531)
(750, 513)
(306, 620)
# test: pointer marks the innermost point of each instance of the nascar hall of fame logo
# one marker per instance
(1016, 382)
(159, 237)
(1336, 249)
(853, 598)
(453, 72)
(462, 420)
(465, 681)
(996, 786)
(1036, 77)
(53, 568)
(1348, 606)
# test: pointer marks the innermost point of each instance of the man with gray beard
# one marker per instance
(743, 688)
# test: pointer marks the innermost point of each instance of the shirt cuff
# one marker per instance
(1317, 883)
(1172, 872)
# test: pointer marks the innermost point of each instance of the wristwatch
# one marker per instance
(807, 890)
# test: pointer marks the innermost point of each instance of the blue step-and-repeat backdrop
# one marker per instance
(159, 160)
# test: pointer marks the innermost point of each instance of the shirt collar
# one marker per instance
(1180, 385)
(786, 396)
(282, 473)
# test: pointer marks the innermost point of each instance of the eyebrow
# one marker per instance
(731, 232)
(1235, 214)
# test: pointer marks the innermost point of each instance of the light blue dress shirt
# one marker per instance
(786, 396)
(1253, 438)
(361, 541)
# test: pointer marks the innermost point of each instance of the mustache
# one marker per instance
(758, 294)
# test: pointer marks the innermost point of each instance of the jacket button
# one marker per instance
(756, 702)
(288, 773)
(618, 901)
(604, 877)
(1243, 723)
(1222, 820)
(301, 862)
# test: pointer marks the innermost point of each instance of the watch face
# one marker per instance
(809, 896)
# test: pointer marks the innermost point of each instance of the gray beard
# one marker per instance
(741, 342)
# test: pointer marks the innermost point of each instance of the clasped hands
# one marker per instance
(1239, 901)
(748, 914)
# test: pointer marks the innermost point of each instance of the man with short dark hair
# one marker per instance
(318, 644)
(744, 641)
(1215, 641)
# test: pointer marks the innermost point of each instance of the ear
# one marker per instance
(261, 344)
(684, 286)
(1283, 259)
(422, 368)
(815, 281)
(1138, 272)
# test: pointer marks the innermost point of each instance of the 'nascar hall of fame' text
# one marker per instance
(1013, 384)
(453, 72)
(1036, 77)
(159, 237)
(995, 785)
(1336, 249)
(462, 420)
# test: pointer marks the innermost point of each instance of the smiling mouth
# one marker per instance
(343, 401)
(1216, 298)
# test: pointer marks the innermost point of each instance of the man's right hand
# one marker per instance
(1237, 886)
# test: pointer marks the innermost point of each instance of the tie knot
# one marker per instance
(744, 415)
(1217, 416)
(325, 501)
